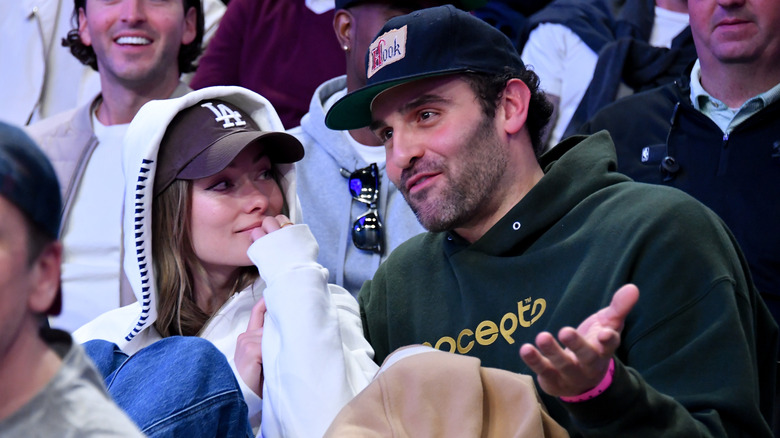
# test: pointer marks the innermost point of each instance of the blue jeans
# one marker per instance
(177, 386)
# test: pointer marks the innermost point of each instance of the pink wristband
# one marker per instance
(601, 387)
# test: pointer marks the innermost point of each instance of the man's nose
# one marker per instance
(404, 149)
(134, 11)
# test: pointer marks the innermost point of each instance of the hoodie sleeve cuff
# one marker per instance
(300, 250)
(601, 387)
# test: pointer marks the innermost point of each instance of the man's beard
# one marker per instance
(481, 162)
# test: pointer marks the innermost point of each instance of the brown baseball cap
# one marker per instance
(204, 138)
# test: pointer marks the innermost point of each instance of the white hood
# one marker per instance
(139, 155)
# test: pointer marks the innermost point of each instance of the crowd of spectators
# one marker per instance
(436, 165)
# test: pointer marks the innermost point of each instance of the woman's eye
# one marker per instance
(220, 186)
(385, 135)
(265, 174)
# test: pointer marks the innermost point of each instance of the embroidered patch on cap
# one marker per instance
(225, 115)
(387, 49)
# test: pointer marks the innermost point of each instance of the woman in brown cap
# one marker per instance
(214, 248)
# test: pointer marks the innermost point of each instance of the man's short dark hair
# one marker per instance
(490, 88)
(187, 54)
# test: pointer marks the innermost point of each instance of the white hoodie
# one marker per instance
(315, 358)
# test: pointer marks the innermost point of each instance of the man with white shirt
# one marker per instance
(578, 47)
(139, 48)
(50, 80)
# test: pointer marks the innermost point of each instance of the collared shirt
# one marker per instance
(727, 118)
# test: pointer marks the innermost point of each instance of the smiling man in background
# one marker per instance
(139, 48)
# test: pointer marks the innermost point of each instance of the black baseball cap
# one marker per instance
(204, 138)
(429, 42)
(28, 181)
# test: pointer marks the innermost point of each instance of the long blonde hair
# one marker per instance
(175, 264)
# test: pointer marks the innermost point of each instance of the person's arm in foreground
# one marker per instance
(314, 355)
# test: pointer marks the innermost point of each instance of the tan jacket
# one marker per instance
(68, 140)
(424, 392)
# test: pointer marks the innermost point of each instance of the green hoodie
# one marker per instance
(696, 351)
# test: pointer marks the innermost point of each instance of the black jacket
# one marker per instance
(736, 175)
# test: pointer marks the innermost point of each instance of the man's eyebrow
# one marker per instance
(376, 124)
(425, 99)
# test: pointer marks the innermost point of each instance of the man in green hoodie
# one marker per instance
(518, 248)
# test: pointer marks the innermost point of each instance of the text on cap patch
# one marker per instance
(386, 49)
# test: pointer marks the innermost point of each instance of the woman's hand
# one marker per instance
(249, 354)
(270, 224)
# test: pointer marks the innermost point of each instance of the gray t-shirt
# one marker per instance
(73, 404)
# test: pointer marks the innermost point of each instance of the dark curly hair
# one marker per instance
(187, 55)
(490, 88)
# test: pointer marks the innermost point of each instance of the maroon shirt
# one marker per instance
(278, 48)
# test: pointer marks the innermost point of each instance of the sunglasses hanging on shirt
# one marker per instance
(364, 188)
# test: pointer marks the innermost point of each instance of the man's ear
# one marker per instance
(190, 26)
(45, 273)
(83, 32)
(342, 25)
(515, 105)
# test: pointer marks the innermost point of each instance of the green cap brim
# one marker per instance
(353, 111)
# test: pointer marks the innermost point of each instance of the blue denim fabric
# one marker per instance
(178, 386)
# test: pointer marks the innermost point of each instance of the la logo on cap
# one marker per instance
(225, 115)
(387, 49)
